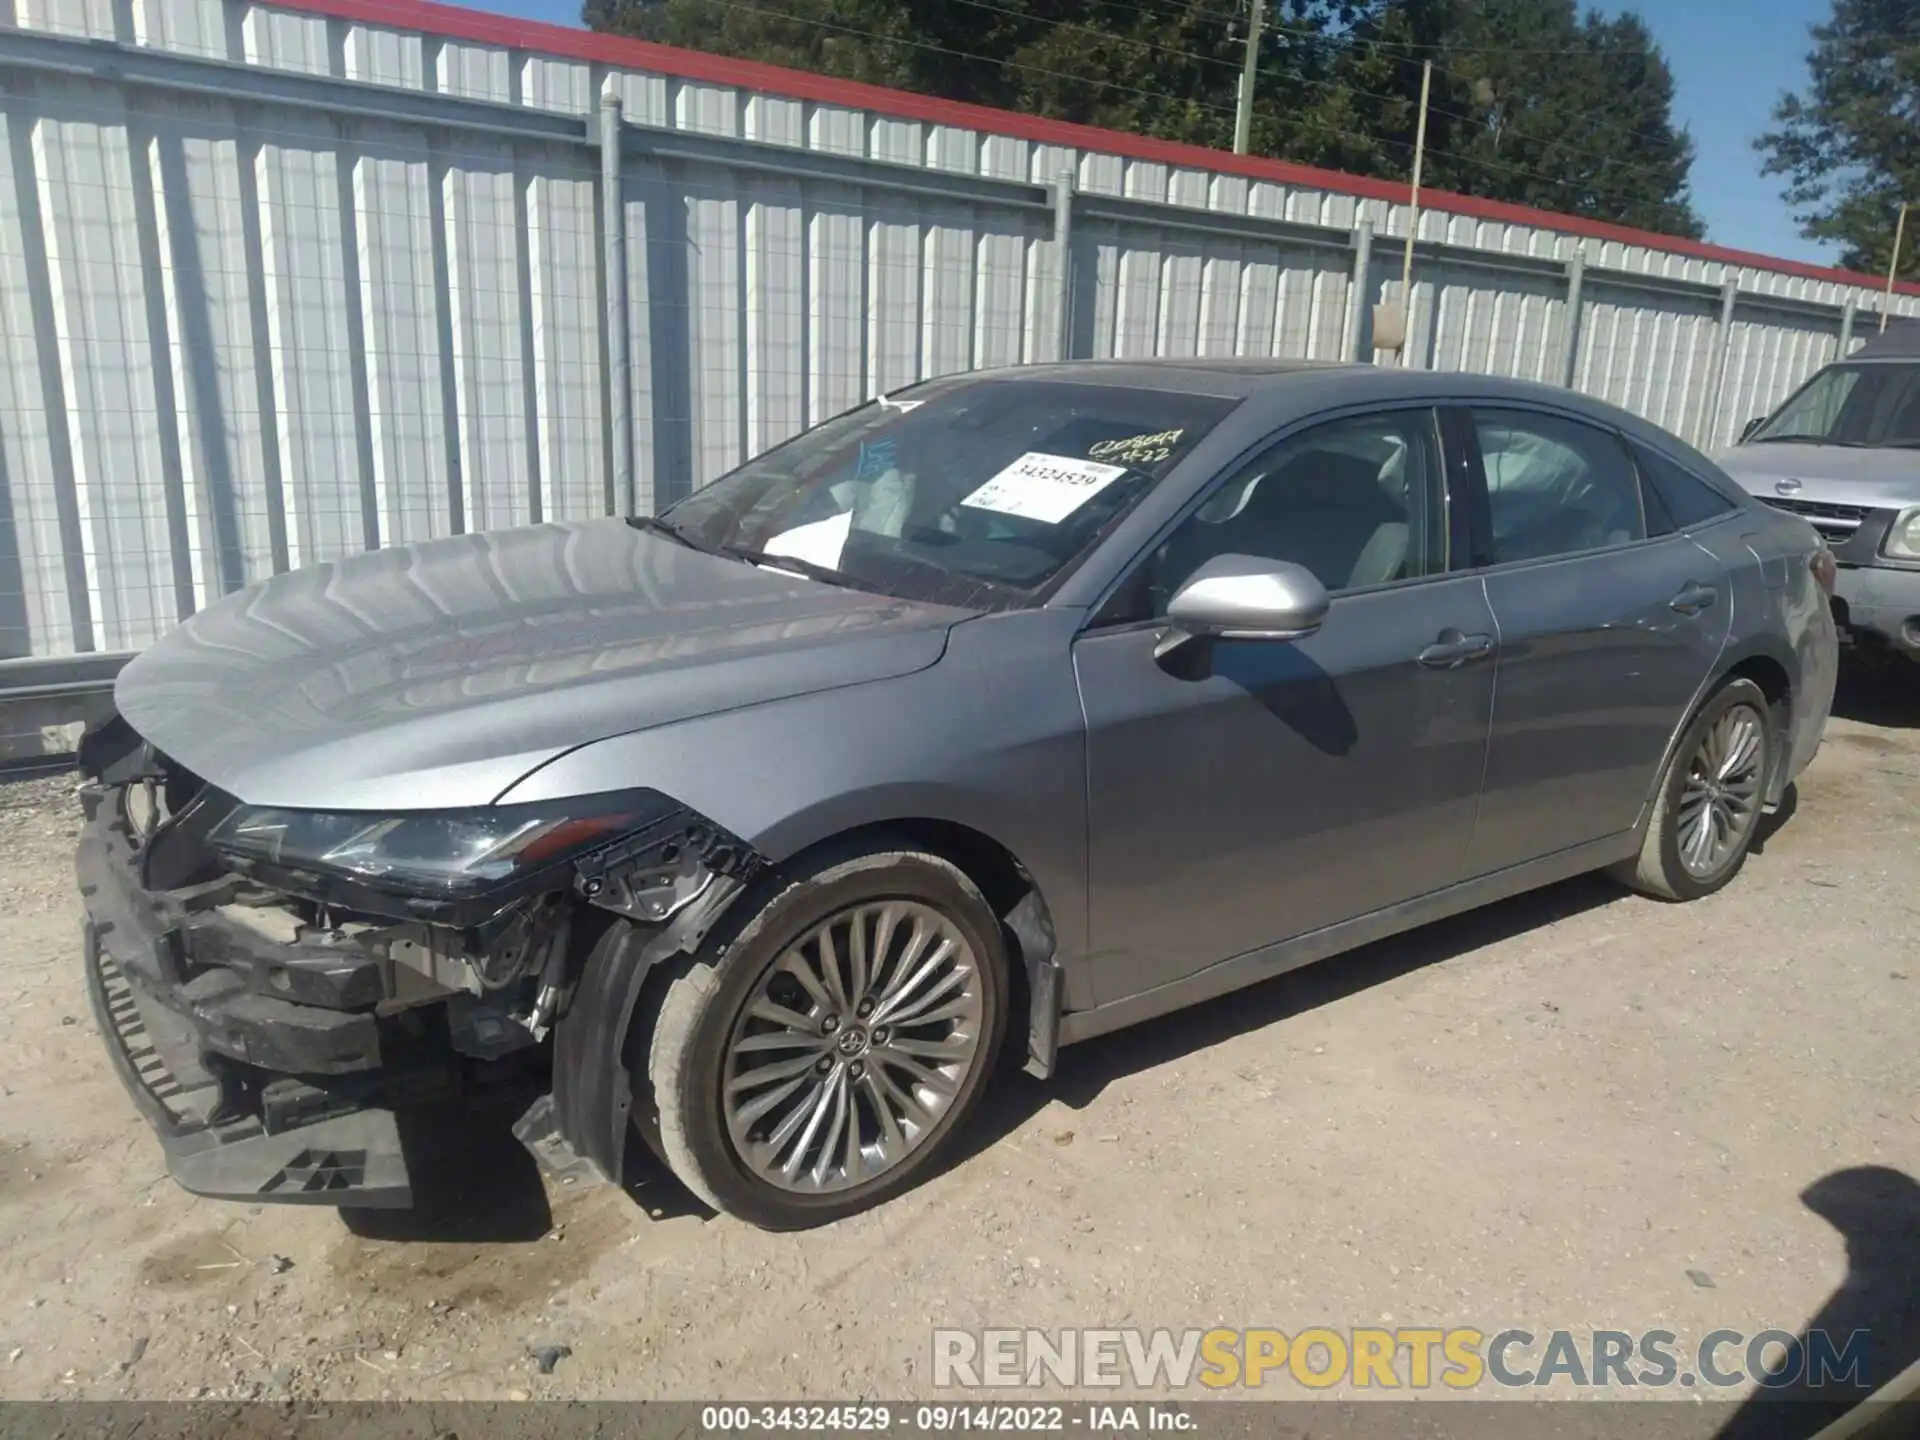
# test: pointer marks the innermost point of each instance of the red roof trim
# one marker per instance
(577, 44)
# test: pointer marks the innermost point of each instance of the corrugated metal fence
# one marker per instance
(278, 284)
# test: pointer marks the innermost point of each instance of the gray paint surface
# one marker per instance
(1170, 825)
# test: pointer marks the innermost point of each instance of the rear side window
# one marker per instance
(1682, 498)
(1555, 486)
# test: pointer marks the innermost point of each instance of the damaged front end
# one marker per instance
(282, 989)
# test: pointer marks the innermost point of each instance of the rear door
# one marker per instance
(1295, 784)
(1608, 629)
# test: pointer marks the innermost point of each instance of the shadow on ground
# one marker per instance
(473, 1182)
(1872, 1319)
(1879, 691)
(1086, 1069)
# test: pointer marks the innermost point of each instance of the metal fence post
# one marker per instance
(1846, 329)
(1360, 290)
(1570, 341)
(1063, 236)
(1722, 350)
(613, 233)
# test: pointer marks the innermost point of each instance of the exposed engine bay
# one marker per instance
(279, 986)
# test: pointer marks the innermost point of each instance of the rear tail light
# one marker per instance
(1825, 571)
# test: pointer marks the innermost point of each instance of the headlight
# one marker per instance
(1903, 537)
(448, 853)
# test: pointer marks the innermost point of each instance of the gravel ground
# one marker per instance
(1575, 1109)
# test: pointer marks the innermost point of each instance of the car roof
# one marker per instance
(1311, 384)
(1228, 377)
(1899, 341)
(1281, 390)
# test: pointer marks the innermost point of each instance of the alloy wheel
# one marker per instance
(854, 1044)
(1721, 799)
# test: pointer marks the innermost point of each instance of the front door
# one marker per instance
(1295, 784)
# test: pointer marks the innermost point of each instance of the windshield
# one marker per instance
(962, 491)
(1877, 404)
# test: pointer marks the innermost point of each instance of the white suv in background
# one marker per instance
(1844, 453)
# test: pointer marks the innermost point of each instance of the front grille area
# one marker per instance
(1835, 522)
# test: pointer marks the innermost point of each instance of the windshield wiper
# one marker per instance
(1806, 440)
(825, 574)
(654, 525)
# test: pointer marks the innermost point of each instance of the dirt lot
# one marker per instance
(1576, 1109)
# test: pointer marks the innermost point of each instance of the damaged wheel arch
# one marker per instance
(599, 1065)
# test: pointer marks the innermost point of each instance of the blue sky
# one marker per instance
(1730, 58)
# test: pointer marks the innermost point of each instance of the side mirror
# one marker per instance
(1746, 430)
(1242, 597)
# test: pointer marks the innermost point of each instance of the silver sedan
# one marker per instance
(1019, 705)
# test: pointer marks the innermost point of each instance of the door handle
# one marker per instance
(1694, 598)
(1453, 649)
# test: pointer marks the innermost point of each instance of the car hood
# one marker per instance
(438, 674)
(1841, 474)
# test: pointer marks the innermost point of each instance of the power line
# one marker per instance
(937, 49)
(1420, 49)
(1341, 87)
(1107, 83)
(1348, 88)
(1121, 37)
(1098, 82)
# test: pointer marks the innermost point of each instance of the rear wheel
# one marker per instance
(1709, 801)
(819, 1061)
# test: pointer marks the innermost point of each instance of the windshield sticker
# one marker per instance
(877, 457)
(1044, 487)
(1137, 450)
(821, 541)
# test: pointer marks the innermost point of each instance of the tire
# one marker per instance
(1662, 868)
(812, 1176)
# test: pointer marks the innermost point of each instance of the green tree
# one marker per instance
(1532, 103)
(1545, 107)
(1849, 147)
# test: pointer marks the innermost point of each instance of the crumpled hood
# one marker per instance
(1840, 474)
(439, 674)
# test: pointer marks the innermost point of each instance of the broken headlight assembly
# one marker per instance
(481, 893)
(446, 856)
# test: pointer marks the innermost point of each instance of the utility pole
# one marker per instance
(1893, 265)
(1249, 68)
(1413, 218)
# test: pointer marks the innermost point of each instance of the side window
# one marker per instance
(1683, 497)
(1358, 502)
(1555, 486)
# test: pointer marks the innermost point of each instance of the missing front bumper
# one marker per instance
(352, 1158)
(257, 1089)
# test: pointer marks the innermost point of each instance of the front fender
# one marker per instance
(991, 738)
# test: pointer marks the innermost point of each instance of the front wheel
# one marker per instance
(1710, 798)
(819, 1061)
